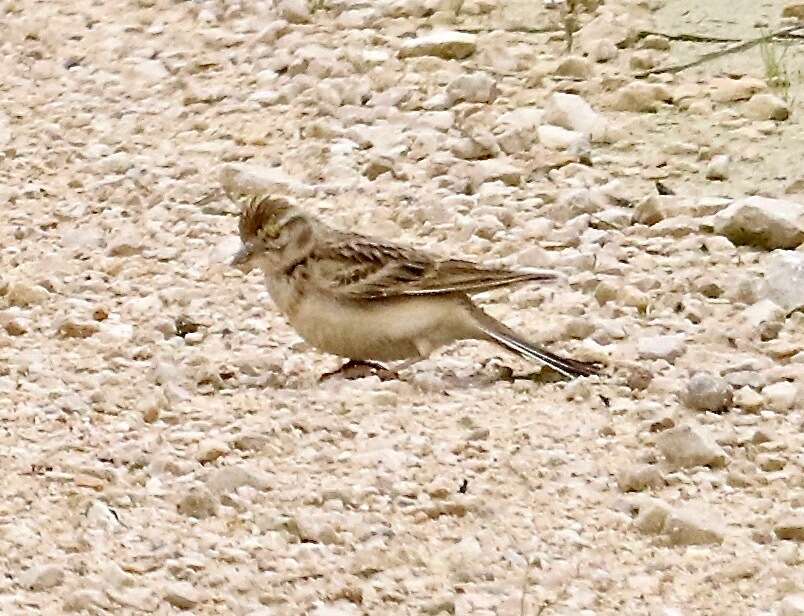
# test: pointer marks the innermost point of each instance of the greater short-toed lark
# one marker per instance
(367, 299)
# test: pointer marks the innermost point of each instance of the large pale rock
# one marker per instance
(707, 392)
(692, 526)
(668, 348)
(767, 107)
(762, 222)
(239, 177)
(42, 577)
(444, 44)
(727, 90)
(572, 112)
(794, 10)
(793, 605)
(685, 447)
(784, 275)
(25, 294)
(790, 527)
(641, 97)
(473, 88)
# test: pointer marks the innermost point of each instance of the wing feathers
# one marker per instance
(361, 268)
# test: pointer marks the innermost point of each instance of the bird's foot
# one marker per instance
(358, 369)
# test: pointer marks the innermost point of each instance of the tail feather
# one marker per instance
(564, 365)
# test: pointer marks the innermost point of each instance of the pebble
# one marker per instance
(780, 396)
(24, 294)
(727, 90)
(762, 222)
(557, 138)
(692, 526)
(706, 392)
(572, 112)
(687, 446)
(718, 167)
(642, 97)
(794, 10)
(229, 478)
(766, 107)
(472, 88)
(210, 450)
(447, 45)
(182, 595)
(784, 276)
(198, 502)
(790, 527)
(575, 66)
(793, 605)
(640, 477)
(41, 577)
(668, 347)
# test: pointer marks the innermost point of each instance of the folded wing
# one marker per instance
(360, 268)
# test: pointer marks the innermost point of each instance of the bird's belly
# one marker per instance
(381, 330)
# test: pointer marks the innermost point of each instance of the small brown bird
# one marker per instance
(370, 300)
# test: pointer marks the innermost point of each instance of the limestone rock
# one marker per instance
(662, 347)
(762, 222)
(784, 275)
(572, 112)
(642, 97)
(443, 44)
(794, 10)
(780, 396)
(640, 477)
(685, 447)
(182, 595)
(41, 577)
(726, 90)
(767, 107)
(718, 167)
(790, 527)
(793, 605)
(21, 293)
(706, 392)
(691, 526)
(476, 87)
(198, 502)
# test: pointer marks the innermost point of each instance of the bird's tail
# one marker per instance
(499, 333)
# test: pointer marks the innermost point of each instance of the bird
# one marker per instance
(369, 300)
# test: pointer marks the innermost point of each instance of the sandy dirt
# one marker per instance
(165, 443)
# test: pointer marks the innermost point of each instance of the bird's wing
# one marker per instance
(357, 267)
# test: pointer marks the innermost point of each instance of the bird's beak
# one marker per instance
(241, 258)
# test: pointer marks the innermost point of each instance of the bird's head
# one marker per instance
(274, 233)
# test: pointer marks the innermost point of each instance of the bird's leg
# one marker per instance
(358, 369)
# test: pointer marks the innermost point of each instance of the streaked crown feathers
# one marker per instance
(262, 216)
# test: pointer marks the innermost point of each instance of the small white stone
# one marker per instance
(767, 107)
(557, 138)
(685, 447)
(780, 396)
(476, 87)
(443, 44)
(294, 11)
(210, 450)
(792, 605)
(41, 577)
(668, 348)
(24, 294)
(182, 595)
(718, 167)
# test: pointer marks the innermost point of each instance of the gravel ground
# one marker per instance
(165, 441)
